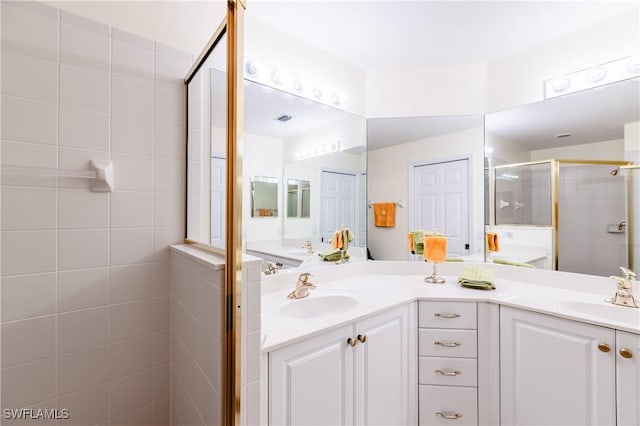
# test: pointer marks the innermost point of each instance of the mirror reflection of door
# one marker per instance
(441, 202)
(338, 203)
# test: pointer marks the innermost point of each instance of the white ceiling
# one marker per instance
(383, 34)
(590, 116)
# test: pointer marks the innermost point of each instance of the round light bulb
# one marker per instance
(597, 74)
(253, 68)
(317, 92)
(633, 65)
(298, 86)
(560, 84)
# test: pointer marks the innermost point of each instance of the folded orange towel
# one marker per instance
(384, 215)
(412, 247)
(435, 248)
(492, 241)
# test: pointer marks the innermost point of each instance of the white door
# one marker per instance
(628, 378)
(382, 369)
(218, 201)
(441, 201)
(311, 382)
(553, 372)
(338, 203)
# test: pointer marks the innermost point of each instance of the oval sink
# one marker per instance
(606, 310)
(316, 306)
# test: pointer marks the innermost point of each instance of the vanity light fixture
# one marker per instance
(319, 150)
(598, 75)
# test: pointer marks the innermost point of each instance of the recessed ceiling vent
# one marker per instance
(284, 118)
(563, 135)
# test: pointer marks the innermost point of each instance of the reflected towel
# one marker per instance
(435, 248)
(336, 242)
(347, 237)
(492, 241)
(333, 256)
(418, 241)
(384, 215)
(455, 259)
(412, 247)
(477, 277)
(513, 263)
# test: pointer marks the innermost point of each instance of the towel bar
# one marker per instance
(101, 174)
(397, 203)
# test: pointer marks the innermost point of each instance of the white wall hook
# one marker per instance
(103, 181)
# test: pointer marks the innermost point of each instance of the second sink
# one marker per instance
(319, 305)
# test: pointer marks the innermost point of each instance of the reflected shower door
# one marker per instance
(591, 219)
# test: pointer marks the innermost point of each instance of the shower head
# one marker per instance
(614, 172)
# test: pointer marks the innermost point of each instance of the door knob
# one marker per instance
(626, 353)
(362, 338)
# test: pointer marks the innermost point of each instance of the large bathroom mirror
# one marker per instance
(559, 195)
(431, 170)
(318, 156)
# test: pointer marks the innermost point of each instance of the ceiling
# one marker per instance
(383, 34)
(590, 116)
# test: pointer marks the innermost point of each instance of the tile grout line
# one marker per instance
(56, 379)
(109, 108)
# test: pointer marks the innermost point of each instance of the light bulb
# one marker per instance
(298, 86)
(560, 84)
(253, 68)
(277, 77)
(633, 65)
(597, 74)
(317, 92)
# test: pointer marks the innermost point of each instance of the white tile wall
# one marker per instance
(197, 341)
(85, 277)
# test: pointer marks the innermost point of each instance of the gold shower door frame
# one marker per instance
(233, 27)
(555, 182)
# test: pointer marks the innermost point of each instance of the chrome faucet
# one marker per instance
(272, 268)
(624, 293)
(309, 246)
(302, 287)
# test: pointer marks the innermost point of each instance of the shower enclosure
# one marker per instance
(571, 213)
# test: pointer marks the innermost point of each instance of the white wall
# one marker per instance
(518, 79)
(388, 179)
(606, 150)
(85, 275)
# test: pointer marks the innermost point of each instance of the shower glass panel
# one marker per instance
(592, 227)
(523, 194)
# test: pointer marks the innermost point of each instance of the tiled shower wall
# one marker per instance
(85, 276)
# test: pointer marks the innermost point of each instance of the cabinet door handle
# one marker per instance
(351, 342)
(448, 344)
(454, 416)
(604, 347)
(448, 372)
(362, 338)
(447, 316)
(626, 353)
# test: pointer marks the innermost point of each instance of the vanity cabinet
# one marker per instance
(448, 363)
(357, 374)
(628, 378)
(556, 371)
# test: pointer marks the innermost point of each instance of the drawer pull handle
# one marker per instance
(362, 338)
(351, 342)
(447, 316)
(448, 373)
(454, 416)
(626, 353)
(448, 345)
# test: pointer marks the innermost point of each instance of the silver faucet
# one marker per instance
(624, 293)
(309, 246)
(302, 287)
(272, 268)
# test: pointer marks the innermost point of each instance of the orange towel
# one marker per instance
(336, 242)
(412, 247)
(492, 241)
(435, 248)
(384, 215)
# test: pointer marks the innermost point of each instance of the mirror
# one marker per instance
(264, 196)
(318, 156)
(558, 198)
(298, 198)
(432, 169)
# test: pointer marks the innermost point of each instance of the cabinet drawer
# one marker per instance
(448, 371)
(447, 343)
(448, 401)
(447, 315)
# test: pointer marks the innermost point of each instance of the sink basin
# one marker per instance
(316, 306)
(606, 310)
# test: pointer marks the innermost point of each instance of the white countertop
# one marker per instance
(384, 285)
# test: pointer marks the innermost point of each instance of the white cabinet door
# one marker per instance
(628, 378)
(383, 357)
(311, 382)
(553, 372)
